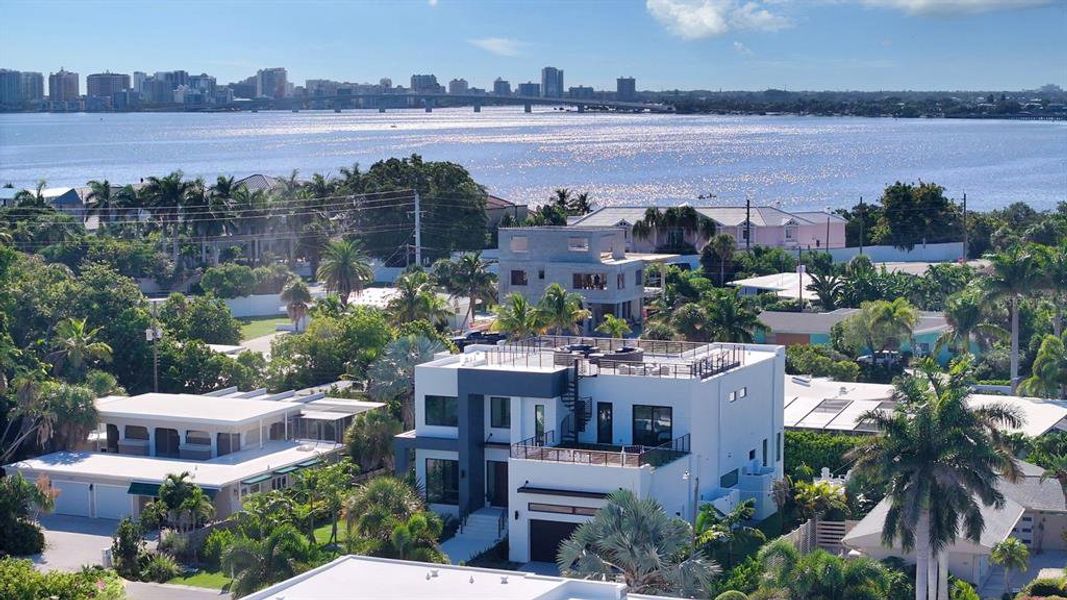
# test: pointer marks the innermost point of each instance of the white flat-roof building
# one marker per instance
(231, 443)
(364, 578)
(538, 432)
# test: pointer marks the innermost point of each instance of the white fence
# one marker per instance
(946, 252)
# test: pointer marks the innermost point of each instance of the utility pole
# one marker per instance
(748, 223)
(418, 230)
(828, 213)
(862, 218)
(965, 240)
(153, 334)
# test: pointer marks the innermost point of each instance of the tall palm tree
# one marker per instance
(613, 327)
(1057, 469)
(101, 200)
(164, 197)
(723, 245)
(416, 299)
(1048, 375)
(1011, 554)
(259, 562)
(561, 198)
(580, 205)
(196, 508)
(174, 492)
(391, 377)
(34, 199)
(649, 225)
(76, 345)
(940, 458)
(1015, 272)
(965, 314)
(690, 321)
(344, 268)
(730, 317)
(880, 325)
(297, 299)
(518, 318)
(1054, 266)
(634, 541)
(562, 310)
(789, 574)
(468, 277)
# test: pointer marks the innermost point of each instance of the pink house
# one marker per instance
(769, 226)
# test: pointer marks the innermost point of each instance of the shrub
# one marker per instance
(731, 595)
(229, 280)
(19, 580)
(817, 450)
(175, 544)
(820, 361)
(1044, 588)
(216, 543)
(127, 547)
(20, 538)
(272, 278)
(160, 568)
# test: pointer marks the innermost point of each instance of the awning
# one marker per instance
(527, 489)
(256, 479)
(143, 489)
(309, 463)
(286, 470)
(323, 415)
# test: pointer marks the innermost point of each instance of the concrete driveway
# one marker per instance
(161, 591)
(71, 542)
(262, 343)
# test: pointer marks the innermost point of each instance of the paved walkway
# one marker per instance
(164, 591)
(1048, 559)
(262, 343)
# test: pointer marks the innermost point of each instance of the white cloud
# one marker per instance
(432, 2)
(742, 49)
(696, 19)
(499, 46)
(954, 7)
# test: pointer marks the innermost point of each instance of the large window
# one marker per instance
(442, 481)
(136, 432)
(652, 425)
(202, 438)
(539, 420)
(500, 412)
(441, 410)
(167, 442)
(729, 480)
(518, 277)
(227, 442)
(590, 281)
(604, 423)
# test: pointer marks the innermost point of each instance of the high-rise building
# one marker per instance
(32, 86)
(385, 82)
(63, 86)
(625, 88)
(203, 82)
(529, 89)
(552, 82)
(425, 83)
(138, 80)
(271, 83)
(10, 87)
(246, 88)
(105, 85)
(458, 86)
(501, 87)
(581, 92)
(157, 91)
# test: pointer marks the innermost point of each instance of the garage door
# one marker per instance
(545, 538)
(73, 498)
(112, 501)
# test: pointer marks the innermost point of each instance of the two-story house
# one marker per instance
(590, 261)
(540, 431)
(231, 443)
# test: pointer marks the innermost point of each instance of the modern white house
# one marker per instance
(365, 578)
(231, 443)
(536, 433)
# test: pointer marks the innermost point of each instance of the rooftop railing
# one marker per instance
(542, 448)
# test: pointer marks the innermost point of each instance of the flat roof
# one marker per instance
(363, 577)
(217, 472)
(191, 408)
(822, 322)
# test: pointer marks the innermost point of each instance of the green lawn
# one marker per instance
(322, 534)
(253, 327)
(204, 579)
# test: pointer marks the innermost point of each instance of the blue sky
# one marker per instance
(665, 44)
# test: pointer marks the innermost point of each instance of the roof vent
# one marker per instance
(504, 580)
(433, 572)
(471, 580)
(843, 391)
(427, 577)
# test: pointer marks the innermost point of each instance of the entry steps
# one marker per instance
(480, 532)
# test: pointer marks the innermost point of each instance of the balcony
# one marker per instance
(545, 448)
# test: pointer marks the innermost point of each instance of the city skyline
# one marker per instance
(664, 44)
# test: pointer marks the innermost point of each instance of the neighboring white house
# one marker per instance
(1034, 512)
(363, 577)
(538, 432)
(231, 443)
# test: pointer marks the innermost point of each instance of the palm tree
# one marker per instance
(816, 499)
(730, 317)
(690, 321)
(1011, 554)
(164, 197)
(580, 205)
(259, 562)
(613, 327)
(880, 325)
(344, 268)
(561, 198)
(716, 531)
(50, 413)
(391, 376)
(649, 225)
(562, 310)
(75, 345)
(468, 277)
(417, 299)
(1048, 375)
(174, 492)
(1054, 266)
(940, 458)
(1057, 469)
(788, 574)
(196, 508)
(1014, 273)
(965, 315)
(723, 245)
(830, 290)
(370, 508)
(101, 200)
(297, 299)
(636, 542)
(518, 318)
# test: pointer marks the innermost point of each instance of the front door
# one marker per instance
(604, 422)
(496, 483)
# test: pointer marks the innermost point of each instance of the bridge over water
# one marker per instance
(429, 101)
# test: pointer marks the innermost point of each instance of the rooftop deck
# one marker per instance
(544, 448)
